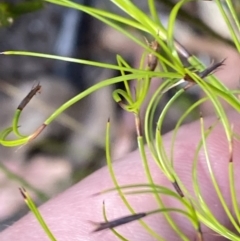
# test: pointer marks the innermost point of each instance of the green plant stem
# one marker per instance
(121, 194)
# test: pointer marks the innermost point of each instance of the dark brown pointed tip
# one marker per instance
(108, 120)
(95, 194)
(97, 229)
(211, 69)
(222, 62)
(95, 224)
(118, 222)
(178, 189)
(23, 191)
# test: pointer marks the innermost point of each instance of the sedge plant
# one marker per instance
(174, 73)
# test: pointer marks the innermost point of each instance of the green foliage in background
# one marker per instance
(10, 11)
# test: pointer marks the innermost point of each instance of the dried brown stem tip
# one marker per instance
(37, 132)
(211, 69)
(23, 191)
(119, 221)
(152, 59)
(33, 91)
(178, 189)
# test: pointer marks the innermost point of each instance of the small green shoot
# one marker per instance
(36, 213)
